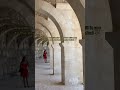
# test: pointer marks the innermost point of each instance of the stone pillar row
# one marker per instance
(57, 58)
(51, 50)
(67, 61)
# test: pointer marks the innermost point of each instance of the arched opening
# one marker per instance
(67, 25)
(16, 36)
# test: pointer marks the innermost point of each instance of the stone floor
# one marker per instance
(15, 82)
(44, 80)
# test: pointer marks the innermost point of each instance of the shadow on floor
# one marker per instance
(59, 83)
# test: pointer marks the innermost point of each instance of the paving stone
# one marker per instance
(45, 81)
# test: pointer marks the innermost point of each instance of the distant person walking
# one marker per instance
(24, 71)
(45, 56)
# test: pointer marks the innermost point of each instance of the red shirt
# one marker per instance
(24, 69)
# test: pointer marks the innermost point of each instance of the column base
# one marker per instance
(72, 81)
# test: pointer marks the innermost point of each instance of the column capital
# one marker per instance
(55, 45)
(74, 45)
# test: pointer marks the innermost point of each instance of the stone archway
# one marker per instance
(48, 10)
(79, 5)
(12, 21)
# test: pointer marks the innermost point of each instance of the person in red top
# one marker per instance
(45, 56)
(24, 71)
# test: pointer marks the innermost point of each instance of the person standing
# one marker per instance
(24, 71)
(45, 56)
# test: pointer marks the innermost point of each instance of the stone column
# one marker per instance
(48, 53)
(82, 43)
(72, 66)
(114, 41)
(57, 58)
(98, 63)
(62, 63)
(99, 68)
(51, 58)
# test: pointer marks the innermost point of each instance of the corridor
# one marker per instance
(44, 80)
(81, 39)
(28, 30)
